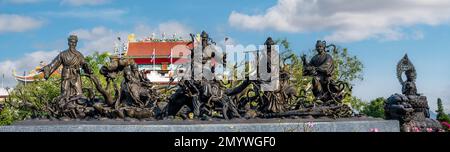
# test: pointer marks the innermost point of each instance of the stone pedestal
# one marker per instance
(260, 125)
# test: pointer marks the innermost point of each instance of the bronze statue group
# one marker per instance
(205, 99)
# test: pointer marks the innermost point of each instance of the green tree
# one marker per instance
(7, 116)
(348, 68)
(356, 103)
(375, 108)
(30, 100)
(441, 116)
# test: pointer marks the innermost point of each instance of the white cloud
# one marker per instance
(109, 14)
(84, 2)
(25, 63)
(98, 39)
(18, 23)
(22, 1)
(348, 20)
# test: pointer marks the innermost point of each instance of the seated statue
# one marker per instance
(135, 97)
(321, 68)
(410, 107)
(136, 89)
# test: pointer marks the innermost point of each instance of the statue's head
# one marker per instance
(134, 67)
(114, 58)
(72, 42)
(321, 46)
(410, 75)
(269, 42)
(205, 38)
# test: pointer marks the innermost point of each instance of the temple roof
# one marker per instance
(146, 49)
(34, 75)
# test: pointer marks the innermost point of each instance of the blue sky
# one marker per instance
(378, 32)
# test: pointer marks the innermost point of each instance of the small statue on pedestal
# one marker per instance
(410, 107)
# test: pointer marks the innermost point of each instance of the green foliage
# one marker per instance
(97, 60)
(7, 116)
(375, 108)
(356, 103)
(31, 99)
(348, 68)
(441, 116)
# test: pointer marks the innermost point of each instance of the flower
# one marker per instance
(415, 129)
(374, 130)
(429, 129)
(446, 124)
(310, 124)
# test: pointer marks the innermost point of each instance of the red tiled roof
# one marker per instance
(145, 49)
(159, 60)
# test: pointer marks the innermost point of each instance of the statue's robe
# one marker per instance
(136, 88)
(72, 62)
(409, 88)
(324, 67)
